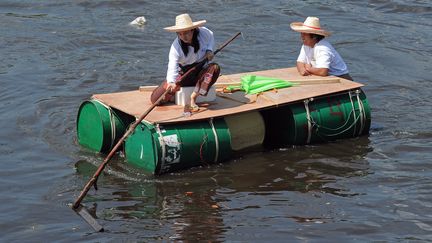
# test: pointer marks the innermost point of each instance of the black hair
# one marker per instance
(195, 43)
(317, 37)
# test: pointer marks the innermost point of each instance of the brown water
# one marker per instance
(55, 54)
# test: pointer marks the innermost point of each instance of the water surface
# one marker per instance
(56, 54)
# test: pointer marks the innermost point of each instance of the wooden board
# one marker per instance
(136, 102)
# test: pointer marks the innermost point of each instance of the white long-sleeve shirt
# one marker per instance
(323, 55)
(176, 55)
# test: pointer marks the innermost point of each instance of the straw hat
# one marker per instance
(183, 23)
(311, 25)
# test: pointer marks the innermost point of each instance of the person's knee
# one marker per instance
(216, 69)
(154, 98)
(158, 92)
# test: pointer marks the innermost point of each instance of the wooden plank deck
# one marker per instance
(137, 102)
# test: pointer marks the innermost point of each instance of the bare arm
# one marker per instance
(316, 71)
(301, 68)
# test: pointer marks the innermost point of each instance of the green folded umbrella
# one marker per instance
(252, 84)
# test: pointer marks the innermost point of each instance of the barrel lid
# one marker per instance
(91, 129)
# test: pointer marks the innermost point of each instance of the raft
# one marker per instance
(314, 110)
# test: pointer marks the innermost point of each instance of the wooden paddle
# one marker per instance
(200, 64)
(77, 206)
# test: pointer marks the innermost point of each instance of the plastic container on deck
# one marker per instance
(182, 97)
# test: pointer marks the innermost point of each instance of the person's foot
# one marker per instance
(188, 110)
(194, 108)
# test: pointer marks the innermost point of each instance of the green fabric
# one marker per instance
(252, 84)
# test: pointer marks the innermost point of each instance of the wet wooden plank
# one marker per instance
(82, 211)
(136, 102)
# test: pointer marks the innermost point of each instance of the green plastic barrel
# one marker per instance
(100, 127)
(165, 148)
(329, 118)
(337, 116)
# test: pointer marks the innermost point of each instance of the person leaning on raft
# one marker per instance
(317, 56)
(193, 44)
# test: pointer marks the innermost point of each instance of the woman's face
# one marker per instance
(308, 40)
(186, 36)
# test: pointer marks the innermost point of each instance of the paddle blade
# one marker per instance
(82, 211)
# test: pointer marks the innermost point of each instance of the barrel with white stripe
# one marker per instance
(170, 147)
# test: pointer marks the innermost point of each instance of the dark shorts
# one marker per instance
(346, 76)
(202, 79)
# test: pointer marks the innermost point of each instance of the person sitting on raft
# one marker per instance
(192, 45)
(317, 56)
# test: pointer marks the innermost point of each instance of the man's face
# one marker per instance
(307, 40)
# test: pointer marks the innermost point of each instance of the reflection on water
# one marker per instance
(195, 204)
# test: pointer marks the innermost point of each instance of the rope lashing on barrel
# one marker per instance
(308, 117)
(206, 141)
(162, 145)
(334, 129)
(112, 122)
(318, 126)
(361, 109)
(350, 94)
(362, 112)
(313, 124)
(216, 140)
(201, 155)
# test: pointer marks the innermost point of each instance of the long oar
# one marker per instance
(226, 43)
(77, 206)
(200, 64)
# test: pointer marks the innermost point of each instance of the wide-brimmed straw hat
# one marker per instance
(183, 23)
(311, 25)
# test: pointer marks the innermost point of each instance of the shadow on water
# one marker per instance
(303, 168)
(194, 201)
(175, 201)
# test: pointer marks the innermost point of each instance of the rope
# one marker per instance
(162, 144)
(335, 134)
(352, 108)
(308, 117)
(216, 140)
(313, 124)
(362, 112)
(205, 140)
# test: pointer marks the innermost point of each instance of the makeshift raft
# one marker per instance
(316, 109)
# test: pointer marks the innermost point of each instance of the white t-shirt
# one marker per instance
(176, 55)
(323, 55)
